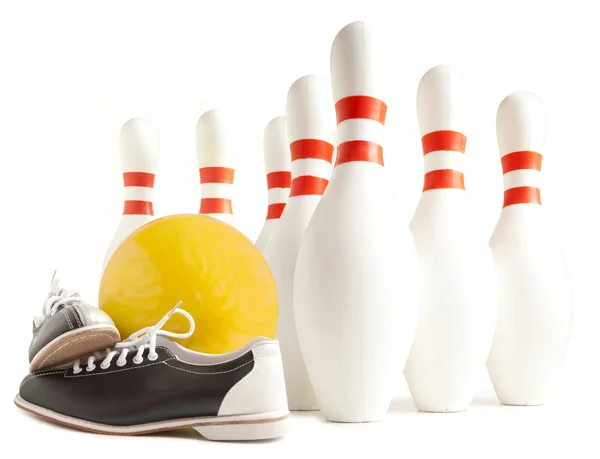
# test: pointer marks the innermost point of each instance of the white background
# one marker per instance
(73, 72)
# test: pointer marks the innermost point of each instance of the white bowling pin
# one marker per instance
(356, 284)
(279, 178)
(215, 151)
(535, 316)
(139, 149)
(459, 291)
(310, 126)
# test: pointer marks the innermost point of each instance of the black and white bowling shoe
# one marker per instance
(148, 383)
(68, 329)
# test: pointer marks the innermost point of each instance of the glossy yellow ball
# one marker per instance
(221, 277)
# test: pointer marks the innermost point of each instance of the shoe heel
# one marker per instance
(259, 430)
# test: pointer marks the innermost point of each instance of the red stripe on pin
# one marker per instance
(215, 206)
(216, 175)
(311, 149)
(446, 178)
(275, 210)
(361, 107)
(359, 150)
(444, 141)
(279, 179)
(521, 160)
(522, 195)
(307, 185)
(138, 208)
(144, 179)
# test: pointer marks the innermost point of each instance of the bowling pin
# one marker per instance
(355, 290)
(215, 151)
(459, 294)
(139, 150)
(535, 315)
(310, 126)
(279, 178)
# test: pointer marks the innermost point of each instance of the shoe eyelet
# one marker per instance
(92, 368)
(104, 367)
(121, 363)
(152, 357)
(137, 360)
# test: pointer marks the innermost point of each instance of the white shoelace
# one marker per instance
(58, 297)
(140, 341)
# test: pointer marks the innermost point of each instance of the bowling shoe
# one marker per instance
(149, 383)
(69, 328)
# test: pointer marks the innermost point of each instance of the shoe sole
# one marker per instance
(260, 426)
(69, 346)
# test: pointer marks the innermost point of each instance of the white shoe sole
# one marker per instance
(69, 346)
(260, 426)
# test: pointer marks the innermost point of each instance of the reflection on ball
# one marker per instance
(222, 279)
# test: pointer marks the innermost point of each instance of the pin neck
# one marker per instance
(522, 176)
(522, 195)
(444, 141)
(443, 153)
(274, 211)
(138, 208)
(365, 116)
(143, 179)
(279, 182)
(360, 107)
(311, 149)
(215, 206)
(444, 179)
(311, 159)
(212, 179)
(308, 185)
(216, 175)
(138, 193)
(359, 150)
(279, 179)
(521, 160)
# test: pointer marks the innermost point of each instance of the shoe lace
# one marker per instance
(58, 297)
(139, 341)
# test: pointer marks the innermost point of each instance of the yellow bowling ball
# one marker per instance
(221, 277)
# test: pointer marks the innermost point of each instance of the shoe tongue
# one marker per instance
(58, 309)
